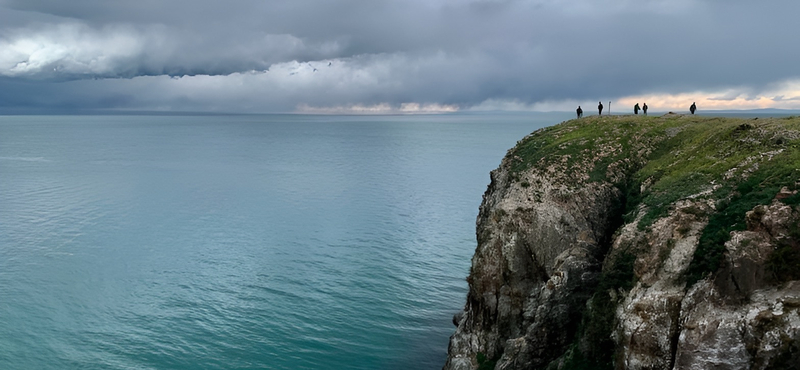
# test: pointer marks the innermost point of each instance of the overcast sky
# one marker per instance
(397, 55)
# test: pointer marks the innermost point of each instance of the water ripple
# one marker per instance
(280, 242)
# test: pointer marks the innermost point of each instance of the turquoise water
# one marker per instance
(240, 242)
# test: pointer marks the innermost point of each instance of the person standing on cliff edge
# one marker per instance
(579, 111)
(600, 108)
(636, 109)
(644, 109)
(692, 108)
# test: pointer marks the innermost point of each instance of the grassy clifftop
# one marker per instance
(732, 165)
(656, 161)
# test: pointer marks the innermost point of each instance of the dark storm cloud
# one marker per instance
(120, 54)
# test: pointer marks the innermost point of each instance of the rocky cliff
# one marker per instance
(639, 243)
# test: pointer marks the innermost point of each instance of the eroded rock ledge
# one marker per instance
(638, 243)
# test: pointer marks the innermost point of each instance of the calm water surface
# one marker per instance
(240, 242)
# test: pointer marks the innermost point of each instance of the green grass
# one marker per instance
(676, 157)
(592, 142)
(662, 160)
(687, 154)
(700, 155)
(736, 200)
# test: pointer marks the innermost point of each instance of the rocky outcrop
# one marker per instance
(739, 318)
(611, 243)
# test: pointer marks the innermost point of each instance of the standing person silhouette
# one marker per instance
(579, 111)
(600, 108)
(644, 109)
(692, 108)
(636, 109)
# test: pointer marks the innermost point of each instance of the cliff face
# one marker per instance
(638, 243)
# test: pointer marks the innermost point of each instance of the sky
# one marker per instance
(396, 56)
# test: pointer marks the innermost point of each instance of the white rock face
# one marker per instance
(736, 319)
(750, 336)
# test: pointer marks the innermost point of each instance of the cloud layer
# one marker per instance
(384, 55)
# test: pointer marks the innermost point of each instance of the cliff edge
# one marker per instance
(632, 242)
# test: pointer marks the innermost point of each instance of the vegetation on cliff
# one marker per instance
(734, 165)
(638, 242)
(656, 161)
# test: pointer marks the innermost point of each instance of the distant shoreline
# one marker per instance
(90, 112)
